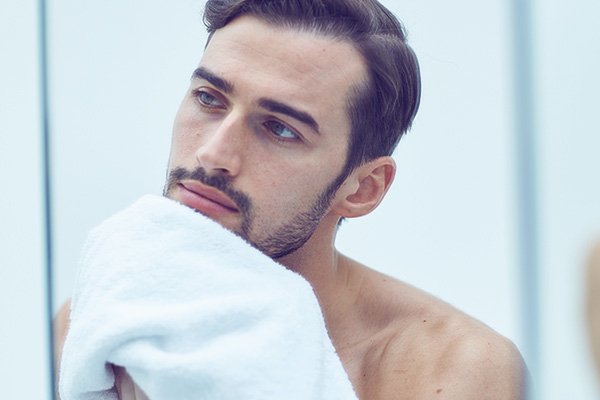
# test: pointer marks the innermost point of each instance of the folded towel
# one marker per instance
(192, 311)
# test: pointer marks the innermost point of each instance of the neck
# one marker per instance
(317, 260)
(332, 280)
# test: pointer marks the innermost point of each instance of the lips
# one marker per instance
(205, 199)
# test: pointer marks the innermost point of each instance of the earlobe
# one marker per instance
(371, 182)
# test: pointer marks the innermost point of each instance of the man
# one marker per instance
(287, 128)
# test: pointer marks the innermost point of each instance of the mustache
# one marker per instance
(219, 182)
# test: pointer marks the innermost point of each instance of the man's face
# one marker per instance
(262, 132)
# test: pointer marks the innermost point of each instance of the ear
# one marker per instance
(365, 188)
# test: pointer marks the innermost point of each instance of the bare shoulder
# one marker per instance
(457, 358)
(432, 350)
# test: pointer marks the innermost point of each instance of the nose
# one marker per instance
(221, 152)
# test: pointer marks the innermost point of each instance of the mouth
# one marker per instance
(206, 199)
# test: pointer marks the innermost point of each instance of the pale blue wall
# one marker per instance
(24, 359)
(119, 71)
(449, 225)
(567, 56)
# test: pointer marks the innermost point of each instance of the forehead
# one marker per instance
(310, 70)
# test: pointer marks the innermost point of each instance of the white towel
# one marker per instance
(192, 311)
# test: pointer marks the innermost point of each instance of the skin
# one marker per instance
(593, 304)
(395, 341)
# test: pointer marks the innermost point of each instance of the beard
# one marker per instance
(285, 239)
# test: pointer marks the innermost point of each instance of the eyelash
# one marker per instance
(198, 93)
(277, 137)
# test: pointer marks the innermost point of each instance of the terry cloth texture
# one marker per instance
(192, 311)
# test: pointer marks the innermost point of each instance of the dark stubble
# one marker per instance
(286, 239)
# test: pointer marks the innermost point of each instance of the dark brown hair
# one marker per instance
(382, 109)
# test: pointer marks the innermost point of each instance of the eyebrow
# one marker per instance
(218, 82)
(281, 108)
(268, 104)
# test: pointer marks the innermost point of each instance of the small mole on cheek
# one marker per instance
(439, 391)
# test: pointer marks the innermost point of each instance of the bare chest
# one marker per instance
(389, 365)
(365, 365)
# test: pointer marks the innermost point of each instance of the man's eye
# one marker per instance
(280, 130)
(207, 99)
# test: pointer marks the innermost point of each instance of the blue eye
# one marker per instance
(280, 130)
(207, 99)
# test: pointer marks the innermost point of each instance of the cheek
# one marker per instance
(289, 189)
(186, 137)
(181, 150)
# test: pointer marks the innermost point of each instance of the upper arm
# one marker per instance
(593, 302)
(60, 329)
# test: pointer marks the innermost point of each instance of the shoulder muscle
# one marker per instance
(461, 360)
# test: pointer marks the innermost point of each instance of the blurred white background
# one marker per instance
(450, 224)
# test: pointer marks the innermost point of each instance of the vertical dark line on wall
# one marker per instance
(524, 102)
(47, 185)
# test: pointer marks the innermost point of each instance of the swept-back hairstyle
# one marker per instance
(382, 109)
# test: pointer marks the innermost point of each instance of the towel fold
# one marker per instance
(192, 311)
